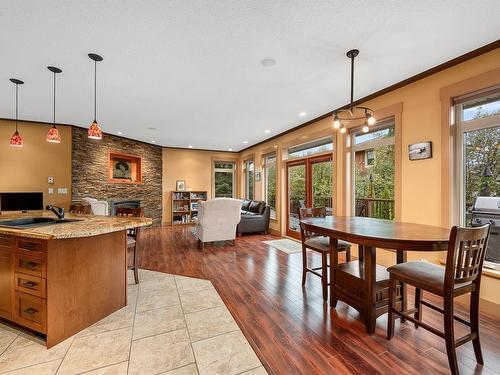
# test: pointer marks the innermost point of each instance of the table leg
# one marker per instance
(361, 251)
(334, 260)
(370, 280)
(401, 258)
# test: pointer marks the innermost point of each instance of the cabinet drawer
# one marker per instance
(30, 311)
(33, 285)
(5, 242)
(31, 247)
(30, 265)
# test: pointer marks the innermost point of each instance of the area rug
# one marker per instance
(286, 245)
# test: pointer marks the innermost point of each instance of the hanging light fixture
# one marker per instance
(95, 131)
(53, 134)
(352, 112)
(16, 140)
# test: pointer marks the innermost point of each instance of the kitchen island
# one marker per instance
(60, 278)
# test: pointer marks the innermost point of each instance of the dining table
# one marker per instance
(362, 283)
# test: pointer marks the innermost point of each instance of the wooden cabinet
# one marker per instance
(6, 276)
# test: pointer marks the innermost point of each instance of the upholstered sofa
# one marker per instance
(217, 220)
(255, 217)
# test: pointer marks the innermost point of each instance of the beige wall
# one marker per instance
(27, 168)
(192, 166)
(421, 198)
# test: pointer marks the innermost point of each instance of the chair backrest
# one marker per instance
(78, 208)
(219, 211)
(312, 212)
(131, 212)
(307, 212)
(466, 251)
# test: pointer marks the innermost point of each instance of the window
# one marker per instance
(310, 148)
(270, 182)
(249, 179)
(373, 172)
(477, 159)
(224, 179)
(370, 157)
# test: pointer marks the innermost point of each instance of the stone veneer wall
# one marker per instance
(90, 171)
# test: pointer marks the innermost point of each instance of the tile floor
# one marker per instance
(173, 325)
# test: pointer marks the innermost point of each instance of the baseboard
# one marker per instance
(485, 306)
(275, 232)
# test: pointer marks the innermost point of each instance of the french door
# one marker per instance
(309, 184)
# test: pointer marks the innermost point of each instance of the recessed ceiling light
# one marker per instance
(302, 114)
(153, 141)
(151, 128)
(119, 133)
(190, 146)
(230, 149)
(245, 142)
(268, 62)
(267, 131)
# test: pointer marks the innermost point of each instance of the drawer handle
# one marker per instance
(30, 311)
(30, 265)
(29, 245)
(29, 284)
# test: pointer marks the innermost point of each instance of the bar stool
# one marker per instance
(462, 275)
(320, 244)
(133, 236)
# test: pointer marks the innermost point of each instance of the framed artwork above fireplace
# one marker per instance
(124, 168)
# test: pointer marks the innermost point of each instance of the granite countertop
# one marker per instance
(91, 225)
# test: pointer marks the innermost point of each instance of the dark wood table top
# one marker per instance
(381, 233)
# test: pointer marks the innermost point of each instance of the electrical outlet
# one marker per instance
(50, 180)
(51, 191)
(62, 191)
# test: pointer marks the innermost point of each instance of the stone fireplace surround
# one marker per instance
(90, 172)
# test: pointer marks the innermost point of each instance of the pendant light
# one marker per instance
(53, 134)
(95, 131)
(348, 114)
(16, 140)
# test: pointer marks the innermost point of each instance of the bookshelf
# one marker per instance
(185, 206)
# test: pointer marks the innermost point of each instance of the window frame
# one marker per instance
(371, 145)
(462, 127)
(266, 178)
(247, 179)
(224, 170)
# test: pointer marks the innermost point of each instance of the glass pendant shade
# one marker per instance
(95, 131)
(16, 140)
(53, 135)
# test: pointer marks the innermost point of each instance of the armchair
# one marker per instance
(217, 220)
(97, 207)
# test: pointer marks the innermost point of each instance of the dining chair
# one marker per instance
(133, 236)
(78, 208)
(462, 275)
(320, 244)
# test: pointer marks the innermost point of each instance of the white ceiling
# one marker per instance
(192, 69)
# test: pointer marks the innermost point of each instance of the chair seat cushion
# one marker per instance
(423, 275)
(321, 243)
(130, 241)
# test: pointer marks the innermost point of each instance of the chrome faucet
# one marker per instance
(59, 211)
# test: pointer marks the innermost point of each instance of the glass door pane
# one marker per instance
(321, 184)
(297, 195)
(482, 166)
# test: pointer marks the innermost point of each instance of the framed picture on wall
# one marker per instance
(180, 185)
(123, 168)
(419, 151)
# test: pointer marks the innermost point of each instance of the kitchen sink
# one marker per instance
(31, 222)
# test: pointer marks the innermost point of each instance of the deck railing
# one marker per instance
(375, 207)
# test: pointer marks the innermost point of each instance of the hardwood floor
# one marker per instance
(288, 326)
